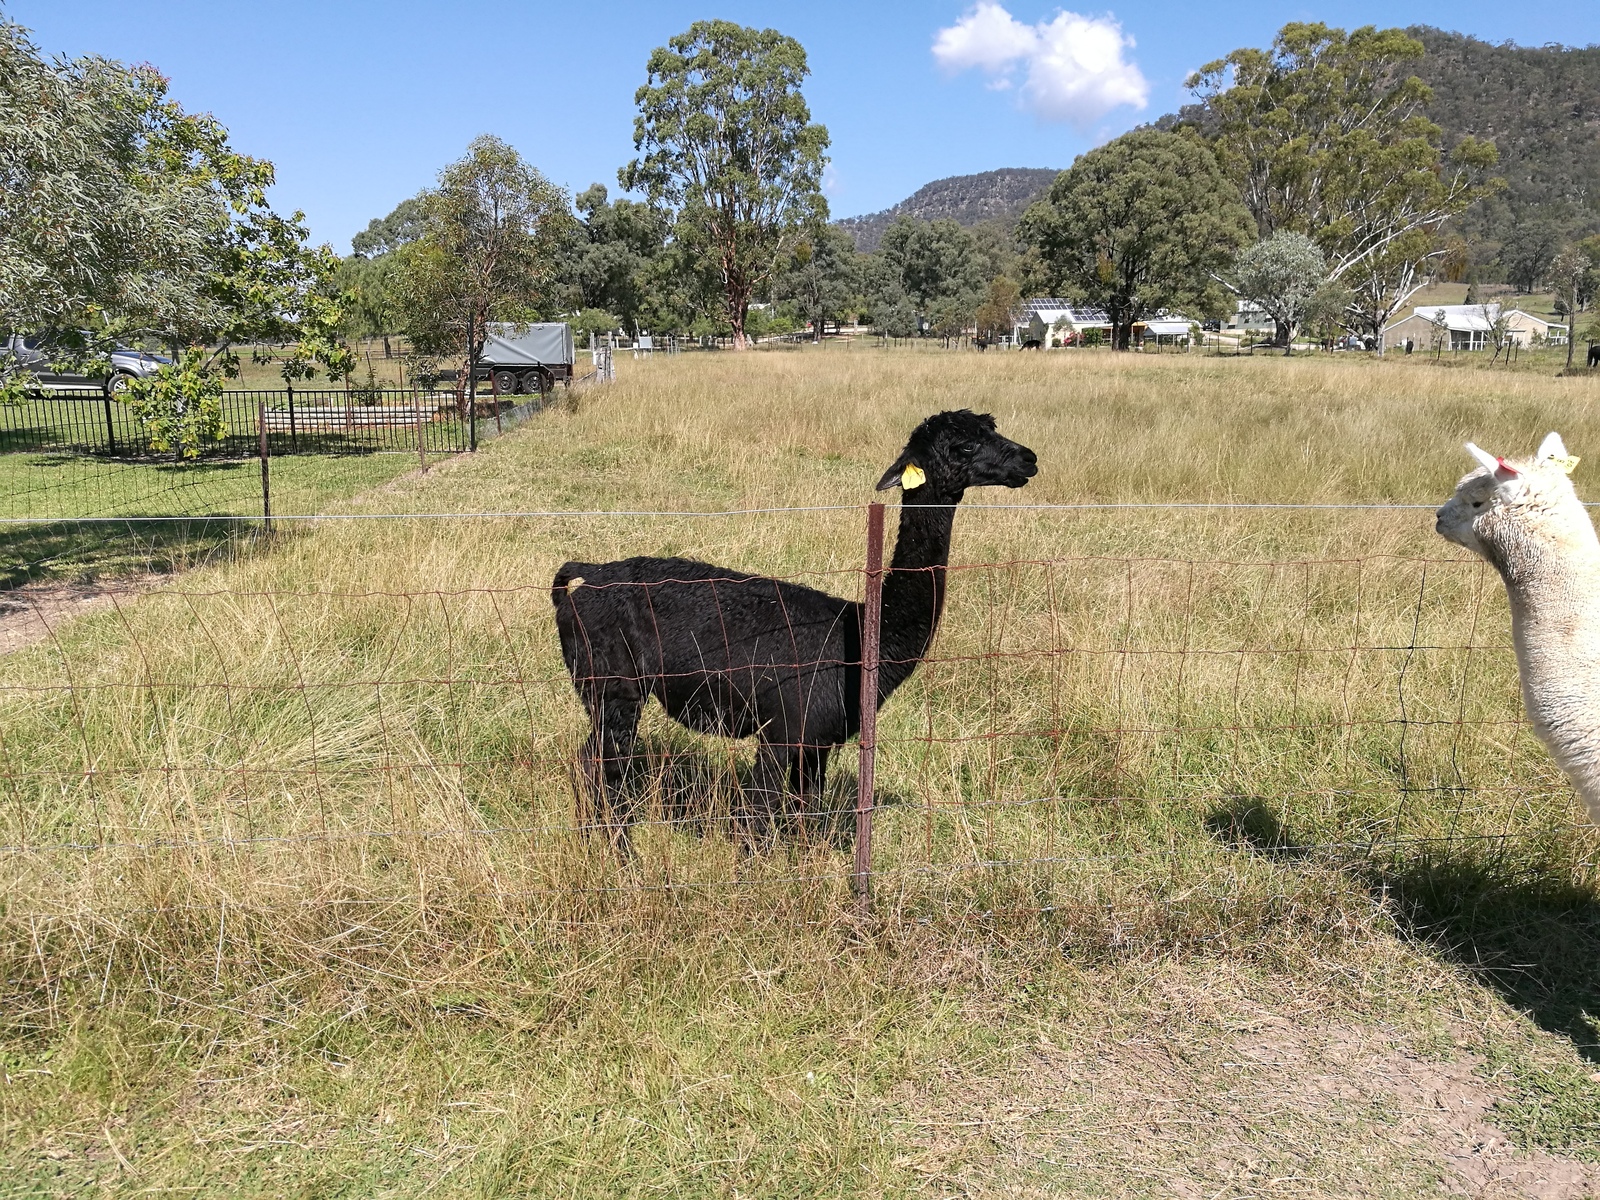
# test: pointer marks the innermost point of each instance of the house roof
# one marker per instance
(1472, 318)
(1050, 310)
(1517, 312)
(1167, 326)
(1458, 318)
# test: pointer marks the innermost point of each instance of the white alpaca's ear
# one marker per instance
(1551, 447)
(1554, 450)
(1485, 460)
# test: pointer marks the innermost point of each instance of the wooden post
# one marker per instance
(871, 629)
(266, 489)
(422, 450)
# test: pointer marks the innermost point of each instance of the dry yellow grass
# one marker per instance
(339, 909)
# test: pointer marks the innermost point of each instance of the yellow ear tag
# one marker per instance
(912, 477)
(1568, 464)
(574, 584)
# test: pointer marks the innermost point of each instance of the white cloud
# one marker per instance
(1072, 66)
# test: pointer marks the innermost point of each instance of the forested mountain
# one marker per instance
(1541, 108)
(965, 199)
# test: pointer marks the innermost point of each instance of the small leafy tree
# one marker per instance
(1283, 274)
(1142, 223)
(487, 252)
(1498, 333)
(1001, 301)
(727, 144)
(1570, 273)
(1438, 332)
(180, 407)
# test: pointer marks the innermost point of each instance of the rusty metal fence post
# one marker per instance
(871, 628)
(266, 491)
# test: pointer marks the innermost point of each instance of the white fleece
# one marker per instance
(1523, 516)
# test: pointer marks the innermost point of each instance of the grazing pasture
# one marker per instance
(1213, 856)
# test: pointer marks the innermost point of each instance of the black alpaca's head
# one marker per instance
(952, 451)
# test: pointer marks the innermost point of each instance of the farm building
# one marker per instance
(1052, 322)
(1170, 329)
(1248, 318)
(1467, 327)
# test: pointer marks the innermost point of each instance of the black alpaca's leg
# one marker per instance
(608, 753)
(762, 798)
(808, 776)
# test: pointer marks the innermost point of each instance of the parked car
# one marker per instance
(31, 352)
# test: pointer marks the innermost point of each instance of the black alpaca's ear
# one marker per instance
(904, 474)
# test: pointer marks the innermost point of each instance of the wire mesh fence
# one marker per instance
(1128, 750)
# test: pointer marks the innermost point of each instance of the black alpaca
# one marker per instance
(743, 655)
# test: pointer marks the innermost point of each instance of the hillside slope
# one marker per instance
(966, 199)
(1541, 108)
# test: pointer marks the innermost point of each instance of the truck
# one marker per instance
(526, 359)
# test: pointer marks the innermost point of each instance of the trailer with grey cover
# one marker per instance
(526, 359)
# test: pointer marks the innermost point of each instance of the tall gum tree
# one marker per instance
(1324, 134)
(726, 142)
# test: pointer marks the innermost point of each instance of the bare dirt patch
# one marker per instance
(1271, 1106)
(33, 612)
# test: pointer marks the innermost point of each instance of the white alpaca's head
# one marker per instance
(1507, 504)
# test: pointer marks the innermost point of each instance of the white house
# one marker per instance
(1467, 327)
(1248, 318)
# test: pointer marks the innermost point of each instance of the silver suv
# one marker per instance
(31, 352)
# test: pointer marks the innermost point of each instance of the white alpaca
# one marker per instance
(1524, 518)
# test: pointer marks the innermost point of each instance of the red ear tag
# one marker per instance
(1502, 465)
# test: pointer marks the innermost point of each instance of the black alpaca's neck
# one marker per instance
(913, 588)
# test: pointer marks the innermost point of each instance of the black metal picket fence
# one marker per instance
(295, 420)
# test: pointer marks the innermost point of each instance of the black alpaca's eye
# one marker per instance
(1477, 504)
(964, 450)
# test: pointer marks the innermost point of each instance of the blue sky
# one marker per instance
(360, 103)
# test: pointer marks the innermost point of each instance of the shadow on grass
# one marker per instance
(695, 788)
(80, 552)
(1513, 917)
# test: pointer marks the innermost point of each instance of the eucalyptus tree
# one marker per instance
(1325, 134)
(125, 216)
(726, 144)
(822, 277)
(1143, 223)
